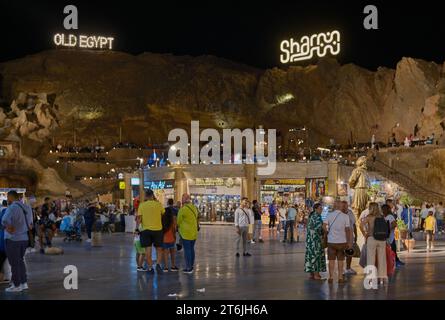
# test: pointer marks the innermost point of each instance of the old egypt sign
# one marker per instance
(317, 45)
(83, 41)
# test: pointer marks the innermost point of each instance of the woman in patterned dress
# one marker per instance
(314, 259)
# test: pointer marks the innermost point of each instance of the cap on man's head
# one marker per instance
(13, 194)
(149, 193)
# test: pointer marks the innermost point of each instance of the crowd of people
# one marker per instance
(338, 233)
(166, 229)
(163, 231)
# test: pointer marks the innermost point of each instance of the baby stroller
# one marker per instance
(72, 227)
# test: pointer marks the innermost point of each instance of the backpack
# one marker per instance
(381, 229)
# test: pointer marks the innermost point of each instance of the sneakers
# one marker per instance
(252, 241)
(159, 268)
(24, 286)
(88, 240)
(165, 269)
(188, 271)
(350, 272)
(13, 288)
(141, 269)
(5, 281)
(174, 269)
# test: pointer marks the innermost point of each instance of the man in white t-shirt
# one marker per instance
(352, 221)
(338, 226)
(282, 210)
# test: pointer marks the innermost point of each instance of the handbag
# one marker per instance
(390, 260)
(357, 252)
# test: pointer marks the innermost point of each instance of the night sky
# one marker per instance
(249, 32)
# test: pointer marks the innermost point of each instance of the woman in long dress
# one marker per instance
(314, 259)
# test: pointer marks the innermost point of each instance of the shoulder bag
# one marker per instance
(198, 227)
(250, 226)
(324, 241)
(31, 239)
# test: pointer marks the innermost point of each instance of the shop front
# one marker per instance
(216, 198)
(283, 190)
(316, 188)
(4, 192)
(163, 189)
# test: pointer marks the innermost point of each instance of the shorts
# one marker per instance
(336, 251)
(139, 249)
(168, 245)
(150, 237)
(429, 232)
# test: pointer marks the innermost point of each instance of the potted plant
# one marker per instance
(407, 202)
(402, 229)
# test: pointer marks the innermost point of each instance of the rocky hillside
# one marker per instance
(50, 95)
(97, 92)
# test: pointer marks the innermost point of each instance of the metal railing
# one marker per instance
(406, 181)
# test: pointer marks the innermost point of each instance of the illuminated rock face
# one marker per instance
(95, 93)
(149, 94)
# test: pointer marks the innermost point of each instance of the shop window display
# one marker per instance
(216, 207)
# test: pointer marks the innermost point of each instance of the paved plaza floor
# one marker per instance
(275, 271)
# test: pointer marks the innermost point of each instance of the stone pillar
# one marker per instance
(141, 186)
(332, 178)
(249, 182)
(128, 188)
(180, 183)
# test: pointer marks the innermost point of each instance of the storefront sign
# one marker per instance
(159, 184)
(227, 182)
(318, 44)
(271, 182)
(18, 190)
(135, 181)
(82, 41)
